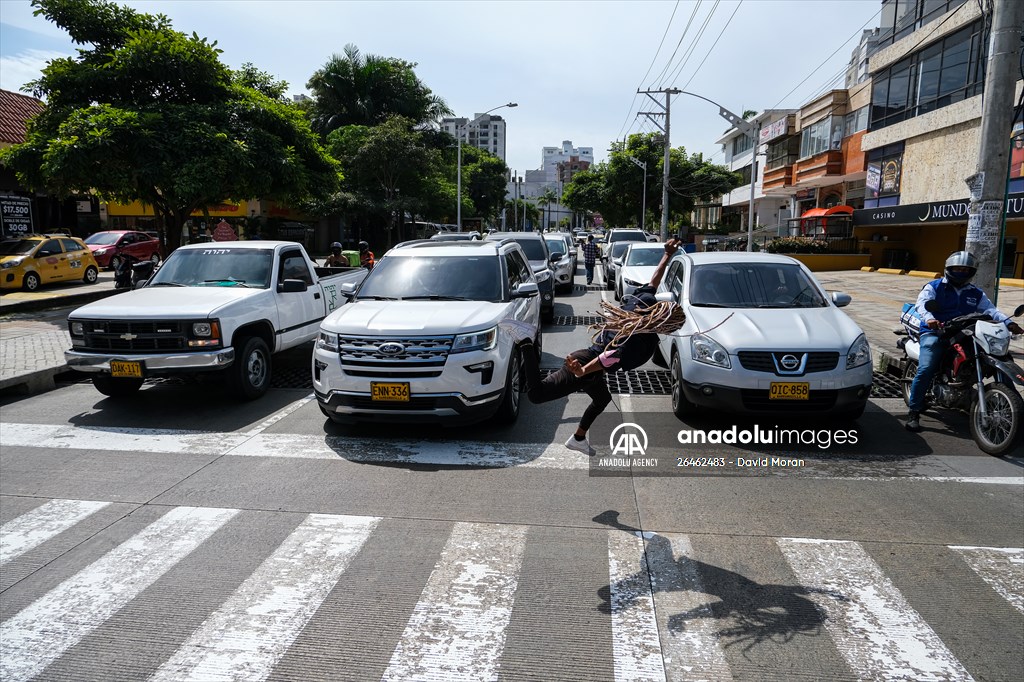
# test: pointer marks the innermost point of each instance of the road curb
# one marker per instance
(33, 383)
(56, 301)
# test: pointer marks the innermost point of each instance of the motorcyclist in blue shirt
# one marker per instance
(956, 296)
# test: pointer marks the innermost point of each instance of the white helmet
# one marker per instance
(960, 268)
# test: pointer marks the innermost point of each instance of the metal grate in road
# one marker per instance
(635, 382)
(886, 386)
(588, 287)
(577, 320)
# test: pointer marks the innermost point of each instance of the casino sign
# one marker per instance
(955, 211)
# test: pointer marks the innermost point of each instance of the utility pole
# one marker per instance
(668, 92)
(986, 223)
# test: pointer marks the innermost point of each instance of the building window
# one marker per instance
(900, 18)
(783, 152)
(821, 136)
(948, 71)
(856, 121)
(885, 176)
(744, 174)
(741, 144)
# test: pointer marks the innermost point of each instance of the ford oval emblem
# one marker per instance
(789, 362)
(390, 348)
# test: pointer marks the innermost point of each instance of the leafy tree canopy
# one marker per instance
(148, 113)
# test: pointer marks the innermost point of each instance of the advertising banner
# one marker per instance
(15, 216)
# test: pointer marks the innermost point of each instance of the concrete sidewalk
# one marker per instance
(32, 344)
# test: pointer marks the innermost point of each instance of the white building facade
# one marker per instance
(483, 131)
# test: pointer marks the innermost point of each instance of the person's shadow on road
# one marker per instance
(747, 613)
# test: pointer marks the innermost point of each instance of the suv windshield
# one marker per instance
(103, 238)
(468, 278)
(557, 246)
(12, 247)
(534, 249)
(644, 256)
(216, 267)
(627, 236)
(753, 285)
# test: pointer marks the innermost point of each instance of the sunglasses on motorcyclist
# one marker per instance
(961, 272)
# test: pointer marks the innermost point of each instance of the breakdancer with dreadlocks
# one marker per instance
(627, 340)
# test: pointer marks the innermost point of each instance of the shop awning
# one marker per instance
(814, 213)
(848, 210)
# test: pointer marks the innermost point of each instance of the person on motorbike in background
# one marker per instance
(334, 258)
(956, 296)
(366, 258)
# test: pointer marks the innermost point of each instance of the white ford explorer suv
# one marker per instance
(431, 335)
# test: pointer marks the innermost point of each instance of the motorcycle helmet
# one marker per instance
(364, 246)
(960, 268)
(336, 248)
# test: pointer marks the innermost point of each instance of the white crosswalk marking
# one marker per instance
(692, 652)
(245, 638)
(878, 633)
(636, 649)
(48, 627)
(1001, 568)
(35, 527)
(457, 630)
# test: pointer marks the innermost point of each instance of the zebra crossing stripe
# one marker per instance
(35, 527)
(692, 652)
(457, 629)
(636, 647)
(874, 628)
(1001, 568)
(247, 636)
(41, 632)
(119, 439)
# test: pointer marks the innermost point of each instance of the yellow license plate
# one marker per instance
(125, 368)
(390, 392)
(789, 391)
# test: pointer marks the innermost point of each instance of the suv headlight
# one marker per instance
(543, 276)
(328, 341)
(859, 353)
(485, 340)
(705, 349)
(997, 346)
(12, 263)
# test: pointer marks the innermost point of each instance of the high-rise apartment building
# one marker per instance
(484, 131)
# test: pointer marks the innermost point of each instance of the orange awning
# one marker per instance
(814, 213)
(839, 209)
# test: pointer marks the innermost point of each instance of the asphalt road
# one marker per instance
(187, 536)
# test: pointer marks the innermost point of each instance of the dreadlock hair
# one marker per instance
(661, 318)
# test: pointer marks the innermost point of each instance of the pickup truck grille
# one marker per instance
(410, 356)
(763, 361)
(134, 336)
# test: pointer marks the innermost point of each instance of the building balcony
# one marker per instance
(827, 164)
(778, 179)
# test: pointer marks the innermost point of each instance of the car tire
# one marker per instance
(249, 375)
(115, 261)
(681, 407)
(116, 387)
(155, 258)
(618, 293)
(91, 275)
(548, 315)
(508, 410)
(31, 281)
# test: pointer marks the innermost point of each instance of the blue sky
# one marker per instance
(574, 67)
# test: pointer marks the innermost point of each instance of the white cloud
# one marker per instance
(18, 69)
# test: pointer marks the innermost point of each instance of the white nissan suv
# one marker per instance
(433, 334)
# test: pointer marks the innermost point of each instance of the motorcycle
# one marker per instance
(130, 271)
(975, 349)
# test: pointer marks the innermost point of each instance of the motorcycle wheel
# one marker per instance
(907, 379)
(1005, 411)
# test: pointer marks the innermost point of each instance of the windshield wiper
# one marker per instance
(168, 284)
(712, 305)
(436, 297)
(379, 298)
(240, 283)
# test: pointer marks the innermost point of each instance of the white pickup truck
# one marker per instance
(220, 306)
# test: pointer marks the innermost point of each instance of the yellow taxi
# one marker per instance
(29, 261)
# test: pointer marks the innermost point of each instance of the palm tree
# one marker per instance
(351, 89)
(547, 197)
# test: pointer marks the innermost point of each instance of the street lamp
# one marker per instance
(458, 187)
(643, 203)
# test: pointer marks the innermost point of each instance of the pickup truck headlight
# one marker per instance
(859, 353)
(77, 329)
(205, 334)
(7, 264)
(328, 341)
(705, 349)
(485, 340)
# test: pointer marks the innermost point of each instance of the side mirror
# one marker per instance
(1018, 311)
(840, 299)
(932, 306)
(292, 286)
(555, 257)
(526, 290)
(348, 290)
(664, 297)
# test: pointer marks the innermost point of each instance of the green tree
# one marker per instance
(148, 113)
(483, 182)
(521, 211)
(351, 89)
(546, 198)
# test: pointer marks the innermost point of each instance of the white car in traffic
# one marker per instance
(638, 265)
(761, 336)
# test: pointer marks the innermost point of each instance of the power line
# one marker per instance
(713, 45)
(674, 52)
(693, 45)
(653, 60)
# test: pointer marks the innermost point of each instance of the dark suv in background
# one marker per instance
(537, 253)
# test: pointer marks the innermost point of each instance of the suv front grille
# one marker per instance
(412, 356)
(763, 361)
(817, 401)
(135, 336)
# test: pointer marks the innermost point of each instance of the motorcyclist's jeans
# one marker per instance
(928, 364)
(562, 382)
